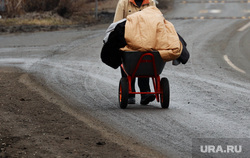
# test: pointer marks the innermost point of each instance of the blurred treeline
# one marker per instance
(65, 8)
(62, 7)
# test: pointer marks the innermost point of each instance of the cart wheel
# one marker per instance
(123, 93)
(165, 93)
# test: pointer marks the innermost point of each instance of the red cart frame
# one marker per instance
(161, 86)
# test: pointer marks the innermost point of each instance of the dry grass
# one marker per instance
(45, 19)
(42, 22)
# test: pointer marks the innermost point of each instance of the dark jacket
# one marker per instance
(183, 58)
(111, 54)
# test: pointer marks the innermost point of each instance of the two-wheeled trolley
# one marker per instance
(143, 64)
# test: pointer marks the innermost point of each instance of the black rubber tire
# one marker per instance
(165, 96)
(123, 93)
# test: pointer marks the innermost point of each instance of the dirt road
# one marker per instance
(34, 124)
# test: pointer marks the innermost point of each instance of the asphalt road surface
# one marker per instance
(210, 95)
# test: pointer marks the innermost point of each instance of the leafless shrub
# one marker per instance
(65, 8)
(14, 7)
(40, 5)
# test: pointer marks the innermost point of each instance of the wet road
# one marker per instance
(209, 95)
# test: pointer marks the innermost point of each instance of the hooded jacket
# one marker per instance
(128, 7)
(148, 30)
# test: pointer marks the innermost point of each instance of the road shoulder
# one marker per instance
(37, 122)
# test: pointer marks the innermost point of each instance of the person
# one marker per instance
(127, 7)
(123, 9)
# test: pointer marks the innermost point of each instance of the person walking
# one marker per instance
(123, 9)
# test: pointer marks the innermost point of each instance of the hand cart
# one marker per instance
(143, 64)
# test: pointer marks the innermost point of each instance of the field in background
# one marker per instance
(64, 8)
(59, 12)
(55, 12)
